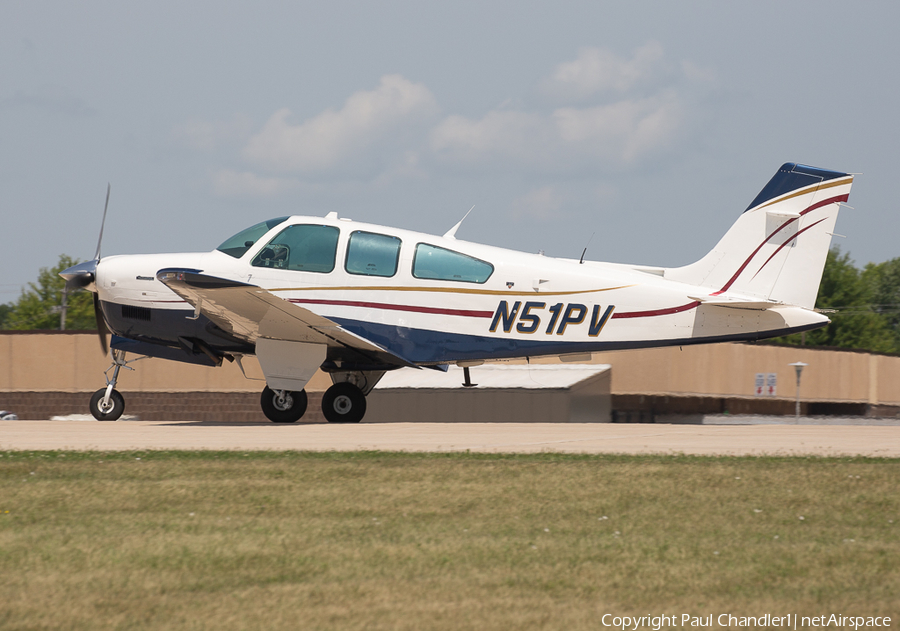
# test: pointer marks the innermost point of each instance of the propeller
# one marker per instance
(102, 329)
(84, 276)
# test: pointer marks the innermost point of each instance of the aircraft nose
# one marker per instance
(81, 276)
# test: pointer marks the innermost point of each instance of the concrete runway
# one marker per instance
(876, 441)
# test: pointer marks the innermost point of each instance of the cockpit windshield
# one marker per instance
(238, 245)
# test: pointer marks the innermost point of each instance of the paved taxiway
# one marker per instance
(878, 441)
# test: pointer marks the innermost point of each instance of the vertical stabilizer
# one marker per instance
(776, 249)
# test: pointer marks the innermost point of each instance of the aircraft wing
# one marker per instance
(249, 312)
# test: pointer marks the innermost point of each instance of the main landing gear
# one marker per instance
(283, 406)
(343, 402)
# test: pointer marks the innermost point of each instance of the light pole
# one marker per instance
(798, 366)
(63, 309)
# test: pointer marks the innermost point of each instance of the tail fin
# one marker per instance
(776, 249)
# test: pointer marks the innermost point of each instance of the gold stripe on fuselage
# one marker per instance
(451, 290)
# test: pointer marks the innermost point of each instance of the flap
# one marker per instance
(250, 312)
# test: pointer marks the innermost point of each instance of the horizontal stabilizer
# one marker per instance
(735, 302)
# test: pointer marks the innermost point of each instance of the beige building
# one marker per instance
(503, 394)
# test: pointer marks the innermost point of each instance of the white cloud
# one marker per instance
(598, 70)
(203, 135)
(506, 134)
(622, 132)
(334, 138)
(541, 204)
(630, 111)
(229, 183)
(627, 130)
(618, 112)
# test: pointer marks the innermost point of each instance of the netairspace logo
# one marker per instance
(727, 620)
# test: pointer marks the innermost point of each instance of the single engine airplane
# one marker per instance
(356, 300)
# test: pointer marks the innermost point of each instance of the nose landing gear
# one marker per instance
(107, 404)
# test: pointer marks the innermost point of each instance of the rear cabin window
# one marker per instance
(238, 245)
(302, 248)
(434, 263)
(370, 254)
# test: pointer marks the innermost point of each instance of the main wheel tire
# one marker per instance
(344, 403)
(112, 411)
(288, 408)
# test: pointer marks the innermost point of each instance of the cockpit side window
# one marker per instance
(238, 245)
(370, 254)
(303, 248)
(434, 263)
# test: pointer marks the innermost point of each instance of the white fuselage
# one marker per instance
(529, 305)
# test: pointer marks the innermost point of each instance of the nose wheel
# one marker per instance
(344, 403)
(107, 408)
(107, 404)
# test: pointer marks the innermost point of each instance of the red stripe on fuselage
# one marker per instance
(656, 312)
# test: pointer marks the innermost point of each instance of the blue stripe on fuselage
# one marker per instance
(423, 346)
(420, 346)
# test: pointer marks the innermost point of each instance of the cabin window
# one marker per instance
(238, 245)
(302, 248)
(371, 254)
(434, 263)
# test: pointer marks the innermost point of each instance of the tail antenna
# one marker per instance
(584, 251)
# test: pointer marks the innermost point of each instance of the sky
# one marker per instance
(639, 130)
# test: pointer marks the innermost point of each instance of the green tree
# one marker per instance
(4, 314)
(38, 306)
(849, 295)
(884, 285)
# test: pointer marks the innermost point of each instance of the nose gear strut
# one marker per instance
(107, 404)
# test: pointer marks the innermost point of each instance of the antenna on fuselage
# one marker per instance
(584, 251)
(451, 233)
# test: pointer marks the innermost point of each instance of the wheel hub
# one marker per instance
(343, 404)
(283, 401)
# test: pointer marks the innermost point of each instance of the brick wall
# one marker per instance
(227, 407)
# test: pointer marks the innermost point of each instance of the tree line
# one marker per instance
(863, 305)
(40, 304)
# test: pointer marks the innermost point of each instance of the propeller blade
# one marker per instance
(102, 223)
(102, 329)
(84, 276)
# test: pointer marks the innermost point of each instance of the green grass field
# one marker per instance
(190, 540)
